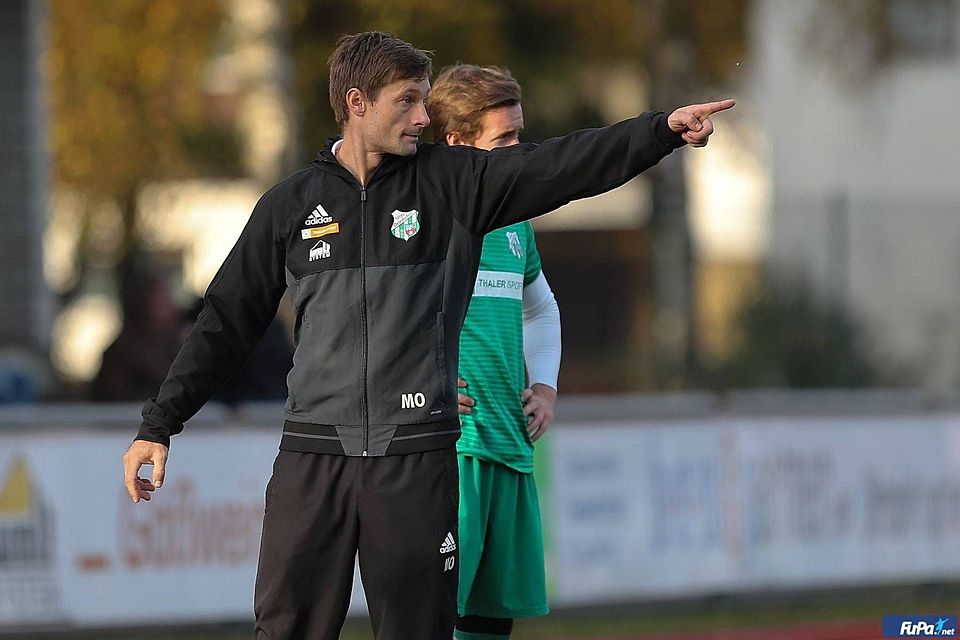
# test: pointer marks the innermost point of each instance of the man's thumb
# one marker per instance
(158, 472)
(684, 120)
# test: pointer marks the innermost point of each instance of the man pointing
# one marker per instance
(378, 241)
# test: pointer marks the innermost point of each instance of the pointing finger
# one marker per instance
(709, 108)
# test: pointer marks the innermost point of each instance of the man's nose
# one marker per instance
(422, 119)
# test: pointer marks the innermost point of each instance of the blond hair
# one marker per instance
(461, 95)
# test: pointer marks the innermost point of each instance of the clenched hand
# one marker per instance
(139, 453)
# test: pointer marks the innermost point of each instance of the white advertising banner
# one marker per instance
(75, 550)
(732, 505)
(632, 510)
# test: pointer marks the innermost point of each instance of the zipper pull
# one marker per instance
(363, 194)
(364, 454)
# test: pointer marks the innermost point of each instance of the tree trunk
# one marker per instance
(675, 356)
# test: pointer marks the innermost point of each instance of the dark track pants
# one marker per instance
(394, 511)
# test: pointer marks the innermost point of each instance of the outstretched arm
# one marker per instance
(486, 190)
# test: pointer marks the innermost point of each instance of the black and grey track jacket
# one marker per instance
(381, 275)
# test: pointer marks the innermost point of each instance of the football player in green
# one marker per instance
(509, 358)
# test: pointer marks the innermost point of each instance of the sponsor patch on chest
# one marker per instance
(319, 251)
(319, 232)
(318, 216)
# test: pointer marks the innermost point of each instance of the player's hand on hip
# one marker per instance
(538, 403)
(465, 403)
(693, 121)
(139, 453)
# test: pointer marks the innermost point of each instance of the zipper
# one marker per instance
(364, 412)
(364, 396)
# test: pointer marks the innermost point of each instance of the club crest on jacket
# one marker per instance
(406, 224)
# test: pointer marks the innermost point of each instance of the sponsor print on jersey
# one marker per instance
(499, 284)
(406, 224)
(515, 247)
(318, 216)
(319, 232)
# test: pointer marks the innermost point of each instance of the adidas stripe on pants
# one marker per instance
(398, 514)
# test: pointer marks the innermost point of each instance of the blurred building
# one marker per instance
(25, 302)
(856, 100)
(598, 256)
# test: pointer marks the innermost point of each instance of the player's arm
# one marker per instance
(239, 304)
(541, 352)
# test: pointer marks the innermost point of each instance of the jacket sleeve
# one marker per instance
(238, 306)
(510, 184)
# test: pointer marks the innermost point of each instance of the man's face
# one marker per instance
(393, 122)
(500, 127)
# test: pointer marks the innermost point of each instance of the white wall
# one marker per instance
(881, 138)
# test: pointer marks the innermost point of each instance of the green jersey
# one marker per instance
(491, 350)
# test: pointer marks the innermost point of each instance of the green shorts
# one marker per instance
(501, 543)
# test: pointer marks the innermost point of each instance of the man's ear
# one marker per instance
(454, 138)
(356, 102)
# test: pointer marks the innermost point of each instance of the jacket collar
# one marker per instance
(390, 163)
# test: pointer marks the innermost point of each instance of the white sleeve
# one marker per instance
(541, 332)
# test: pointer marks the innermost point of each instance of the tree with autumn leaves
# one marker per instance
(128, 107)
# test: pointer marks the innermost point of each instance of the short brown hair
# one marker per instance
(369, 61)
(463, 92)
